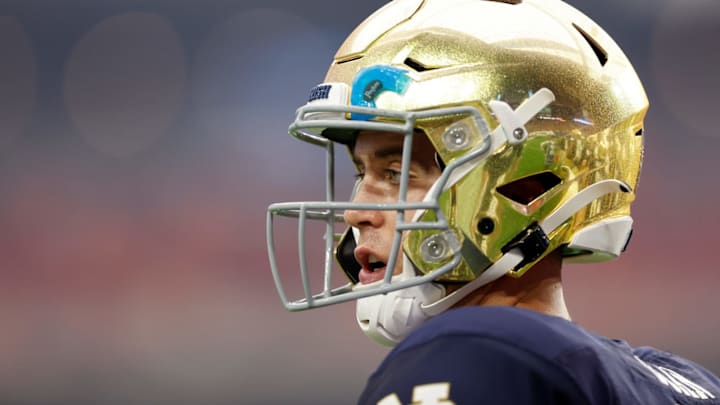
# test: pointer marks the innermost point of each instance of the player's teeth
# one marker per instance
(375, 263)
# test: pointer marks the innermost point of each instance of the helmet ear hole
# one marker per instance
(486, 226)
(527, 189)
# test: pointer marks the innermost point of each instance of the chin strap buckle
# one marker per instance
(532, 243)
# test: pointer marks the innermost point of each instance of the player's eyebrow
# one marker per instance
(390, 151)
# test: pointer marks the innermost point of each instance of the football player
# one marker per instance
(494, 140)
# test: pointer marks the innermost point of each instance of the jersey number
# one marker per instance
(426, 394)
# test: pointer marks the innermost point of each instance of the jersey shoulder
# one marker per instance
(495, 355)
(506, 355)
(542, 334)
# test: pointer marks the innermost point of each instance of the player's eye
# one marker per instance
(393, 176)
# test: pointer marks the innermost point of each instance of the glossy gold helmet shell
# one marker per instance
(468, 53)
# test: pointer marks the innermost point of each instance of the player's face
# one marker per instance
(378, 157)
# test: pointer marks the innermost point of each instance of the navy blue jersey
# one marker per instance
(511, 356)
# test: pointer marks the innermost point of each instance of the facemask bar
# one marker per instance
(310, 121)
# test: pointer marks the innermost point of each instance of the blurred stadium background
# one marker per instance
(141, 142)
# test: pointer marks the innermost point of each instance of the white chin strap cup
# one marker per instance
(389, 318)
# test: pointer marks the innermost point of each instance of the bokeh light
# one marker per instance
(683, 58)
(17, 81)
(125, 81)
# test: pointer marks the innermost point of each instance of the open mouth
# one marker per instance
(373, 270)
(372, 266)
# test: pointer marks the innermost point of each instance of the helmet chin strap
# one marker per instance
(388, 318)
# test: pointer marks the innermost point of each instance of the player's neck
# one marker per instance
(539, 289)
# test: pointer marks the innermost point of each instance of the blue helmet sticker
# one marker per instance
(371, 81)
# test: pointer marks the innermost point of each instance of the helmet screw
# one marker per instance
(439, 247)
(486, 226)
(519, 133)
(435, 248)
(456, 137)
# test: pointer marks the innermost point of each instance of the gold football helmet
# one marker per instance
(523, 94)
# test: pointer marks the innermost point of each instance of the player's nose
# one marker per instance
(360, 218)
